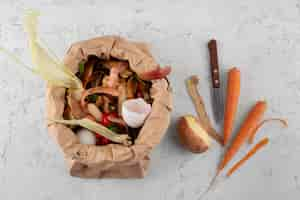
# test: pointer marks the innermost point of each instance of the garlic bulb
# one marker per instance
(86, 136)
(135, 111)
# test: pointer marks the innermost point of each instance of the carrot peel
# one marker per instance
(250, 154)
(253, 133)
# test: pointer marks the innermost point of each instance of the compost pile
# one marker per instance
(107, 85)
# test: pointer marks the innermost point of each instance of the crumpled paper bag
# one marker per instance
(113, 160)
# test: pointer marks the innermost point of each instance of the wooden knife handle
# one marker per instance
(214, 66)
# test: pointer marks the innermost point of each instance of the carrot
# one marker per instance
(252, 151)
(253, 133)
(248, 125)
(232, 98)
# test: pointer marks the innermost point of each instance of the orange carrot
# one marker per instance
(232, 98)
(252, 151)
(253, 133)
(248, 125)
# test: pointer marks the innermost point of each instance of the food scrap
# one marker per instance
(98, 129)
(253, 133)
(252, 151)
(192, 89)
(192, 135)
(105, 97)
(135, 111)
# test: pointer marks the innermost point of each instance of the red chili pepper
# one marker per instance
(105, 141)
(98, 142)
(98, 136)
(105, 121)
(113, 114)
(101, 140)
(98, 139)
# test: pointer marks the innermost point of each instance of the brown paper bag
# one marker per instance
(113, 160)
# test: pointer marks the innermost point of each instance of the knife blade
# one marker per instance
(218, 105)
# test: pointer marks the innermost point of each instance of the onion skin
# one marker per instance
(75, 107)
(158, 73)
(192, 135)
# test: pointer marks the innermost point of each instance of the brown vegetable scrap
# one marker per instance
(97, 90)
(192, 89)
(88, 72)
(94, 111)
(122, 97)
(76, 110)
(106, 102)
(116, 68)
(131, 88)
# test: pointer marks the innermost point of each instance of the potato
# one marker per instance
(192, 135)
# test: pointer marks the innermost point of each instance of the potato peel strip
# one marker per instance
(191, 84)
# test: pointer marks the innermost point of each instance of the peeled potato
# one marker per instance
(192, 135)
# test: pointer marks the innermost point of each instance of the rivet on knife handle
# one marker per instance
(213, 53)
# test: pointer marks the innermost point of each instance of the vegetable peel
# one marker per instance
(97, 128)
(48, 67)
(191, 84)
(253, 133)
(250, 154)
(45, 63)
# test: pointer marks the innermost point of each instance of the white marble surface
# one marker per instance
(262, 37)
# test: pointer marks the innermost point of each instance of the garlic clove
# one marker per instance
(135, 112)
(86, 137)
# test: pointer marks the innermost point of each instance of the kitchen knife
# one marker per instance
(218, 105)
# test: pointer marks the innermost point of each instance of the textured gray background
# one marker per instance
(262, 37)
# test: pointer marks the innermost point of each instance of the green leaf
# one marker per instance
(113, 128)
(92, 98)
(112, 108)
(81, 68)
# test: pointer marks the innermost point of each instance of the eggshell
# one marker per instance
(135, 111)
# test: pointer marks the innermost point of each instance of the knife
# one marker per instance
(218, 105)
